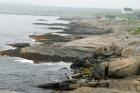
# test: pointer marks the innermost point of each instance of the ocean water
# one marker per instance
(19, 74)
(17, 28)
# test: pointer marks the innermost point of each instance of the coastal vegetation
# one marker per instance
(135, 31)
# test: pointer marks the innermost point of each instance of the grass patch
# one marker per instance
(135, 31)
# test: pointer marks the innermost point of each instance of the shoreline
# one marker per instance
(87, 43)
(56, 41)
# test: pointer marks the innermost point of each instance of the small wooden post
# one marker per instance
(106, 72)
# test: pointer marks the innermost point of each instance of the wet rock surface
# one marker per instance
(54, 24)
(56, 28)
(51, 38)
(65, 85)
(20, 45)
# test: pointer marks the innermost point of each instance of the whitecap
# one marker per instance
(25, 61)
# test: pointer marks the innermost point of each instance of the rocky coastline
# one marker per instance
(92, 46)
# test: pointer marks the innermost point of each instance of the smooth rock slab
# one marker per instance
(124, 67)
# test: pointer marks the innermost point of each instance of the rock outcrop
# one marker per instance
(20, 45)
(57, 52)
(65, 85)
(123, 67)
(86, 27)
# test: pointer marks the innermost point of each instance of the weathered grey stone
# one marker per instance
(122, 67)
(104, 51)
(127, 52)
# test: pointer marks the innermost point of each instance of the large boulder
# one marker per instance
(99, 51)
(108, 50)
(122, 67)
(127, 52)
(103, 51)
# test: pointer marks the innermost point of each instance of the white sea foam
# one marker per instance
(57, 65)
(60, 64)
(61, 34)
(25, 61)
